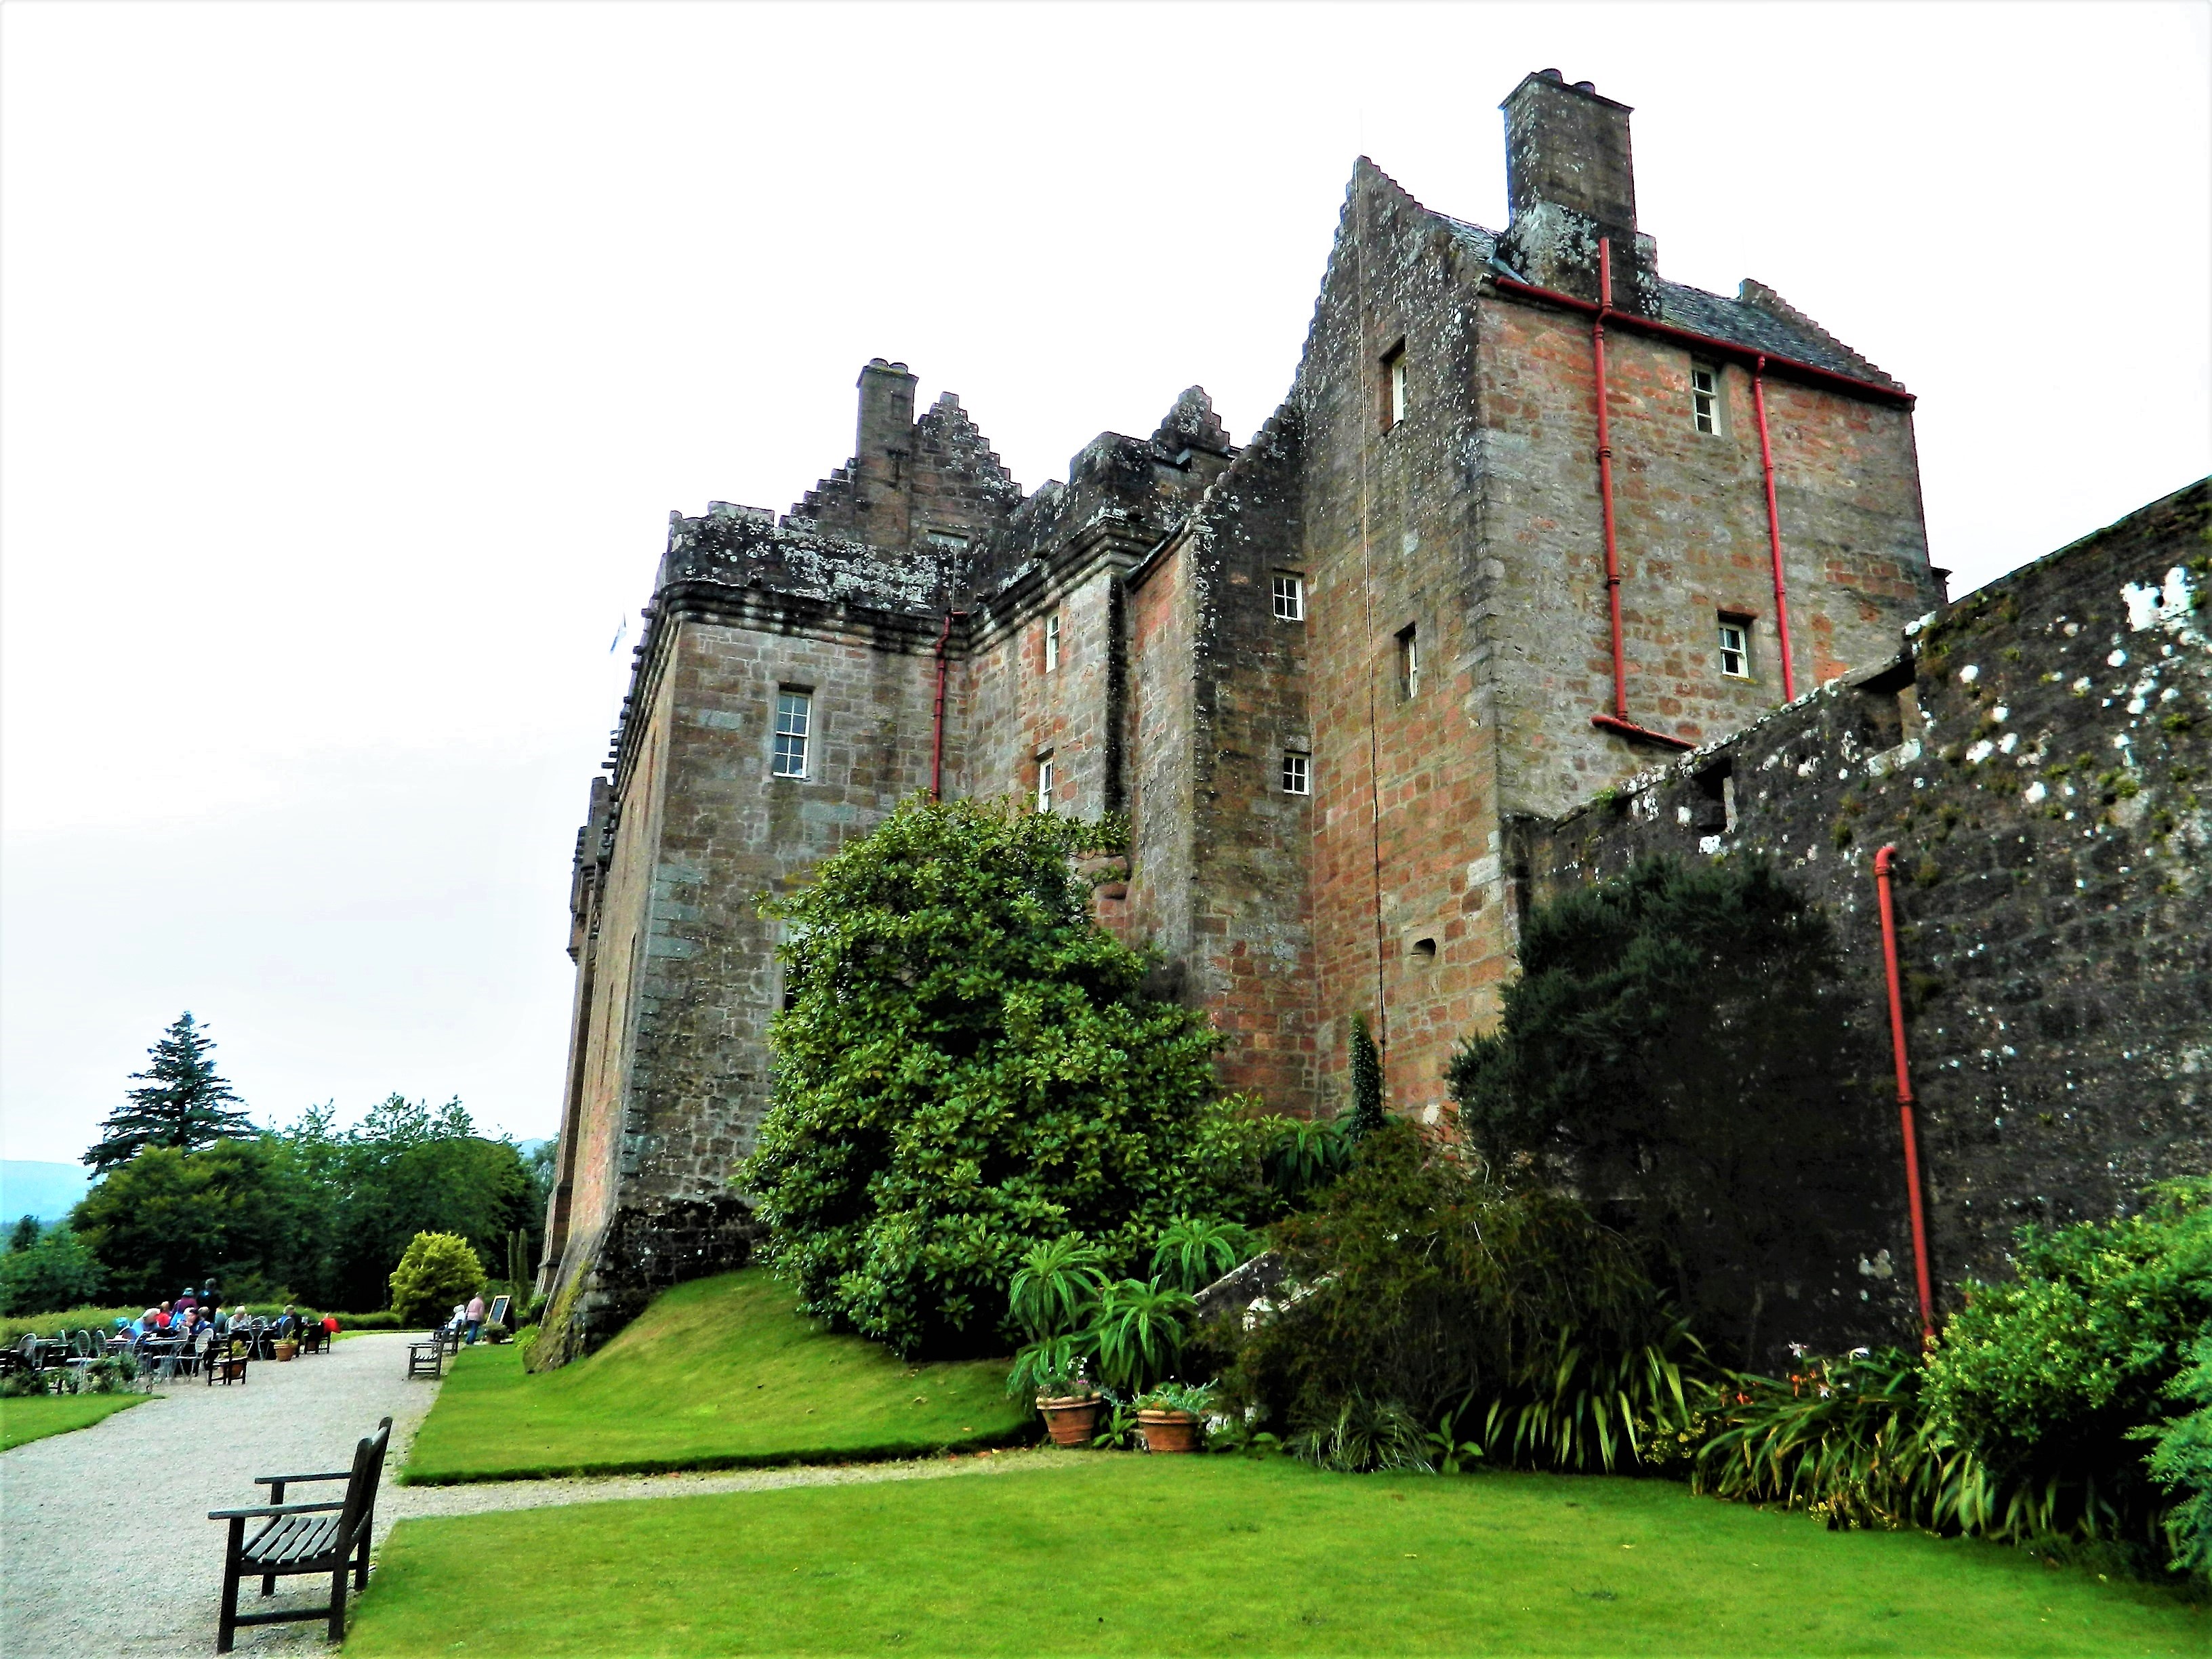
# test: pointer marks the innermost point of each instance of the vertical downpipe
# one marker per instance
(1604, 471)
(1904, 1098)
(937, 733)
(1773, 534)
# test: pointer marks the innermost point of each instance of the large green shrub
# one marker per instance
(2181, 1462)
(437, 1271)
(1680, 1041)
(2051, 1374)
(1419, 1283)
(968, 1065)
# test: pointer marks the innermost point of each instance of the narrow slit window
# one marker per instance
(1735, 648)
(1051, 642)
(1298, 778)
(1044, 783)
(1393, 386)
(1409, 663)
(1704, 397)
(794, 722)
(1289, 597)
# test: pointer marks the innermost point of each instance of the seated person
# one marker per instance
(286, 1324)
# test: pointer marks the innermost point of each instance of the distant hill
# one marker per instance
(48, 1191)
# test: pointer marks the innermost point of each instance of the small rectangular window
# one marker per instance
(1393, 386)
(1044, 783)
(1409, 663)
(1289, 597)
(1297, 781)
(1735, 648)
(1051, 642)
(1704, 397)
(794, 718)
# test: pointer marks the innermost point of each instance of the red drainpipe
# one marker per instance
(1904, 1096)
(1773, 531)
(937, 733)
(1618, 721)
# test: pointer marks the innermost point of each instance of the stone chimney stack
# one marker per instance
(1570, 181)
(884, 455)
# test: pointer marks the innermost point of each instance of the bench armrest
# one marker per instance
(290, 1479)
(273, 1509)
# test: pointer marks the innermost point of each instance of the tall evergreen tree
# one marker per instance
(185, 1104)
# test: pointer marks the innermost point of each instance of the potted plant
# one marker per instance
(1172, 1415)
(1050, 1297)
(1070, 1406)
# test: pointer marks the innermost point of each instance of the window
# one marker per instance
(1289, 597)
(1297, 781)
(1704, 397)
(794, 715)
(1044, 783)
(1735, 648)
(1051, 642)
(1393, 386)
(1409, 663)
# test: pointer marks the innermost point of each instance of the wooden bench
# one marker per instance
(427, 1358)
(296, 1539)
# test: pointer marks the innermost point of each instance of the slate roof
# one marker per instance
(1784, 332)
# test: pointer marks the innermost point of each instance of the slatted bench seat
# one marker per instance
(297, 1539)
(427, 1358)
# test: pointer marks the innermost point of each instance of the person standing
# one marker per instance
(476, 1316)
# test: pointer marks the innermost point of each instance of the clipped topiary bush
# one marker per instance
(967, 1066)
(437, 1270)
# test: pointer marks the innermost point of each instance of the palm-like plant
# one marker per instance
(1195, 1250)
(1053, 1290)
(1139, 1330)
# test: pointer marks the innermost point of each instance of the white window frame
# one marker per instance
(1052, 643)
(1395, 395)
(1289, 597)
(1704, 396)
(1409, 662)
(1044, 783)
(1297, 772)
(1736, 643)
(793, 733)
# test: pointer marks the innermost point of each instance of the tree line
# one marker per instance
(190, 1190)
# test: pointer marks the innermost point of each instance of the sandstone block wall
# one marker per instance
(2041, 755)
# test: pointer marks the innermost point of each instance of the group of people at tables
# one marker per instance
(179, 1324)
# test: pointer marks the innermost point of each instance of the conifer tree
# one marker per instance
(1367, 1114)
(185, 1104)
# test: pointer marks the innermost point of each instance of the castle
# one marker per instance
(1532, 522)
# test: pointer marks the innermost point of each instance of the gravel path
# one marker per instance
(104, 1543)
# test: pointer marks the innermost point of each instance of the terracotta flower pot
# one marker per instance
(1071, 1420)
(1169, 1431)
(286, 1350)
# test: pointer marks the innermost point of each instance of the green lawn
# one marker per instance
(719, 1373)
(24, 1420)
(1209, 1555)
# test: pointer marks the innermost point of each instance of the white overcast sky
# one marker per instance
(355, 354)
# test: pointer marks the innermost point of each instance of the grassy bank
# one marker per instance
(1199, 1556)
(24, 1420)
(719, 1373)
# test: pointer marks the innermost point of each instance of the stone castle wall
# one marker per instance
(2041, 757)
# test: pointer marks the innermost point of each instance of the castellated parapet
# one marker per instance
(1332, 675)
